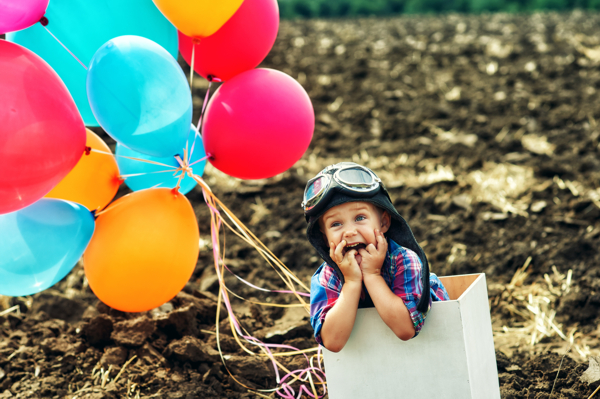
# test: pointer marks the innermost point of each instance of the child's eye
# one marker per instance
(360, 217)
(335, 224)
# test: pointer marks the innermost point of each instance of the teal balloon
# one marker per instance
(140, 96)
(84, 26)
(40, 244)
(152, 175)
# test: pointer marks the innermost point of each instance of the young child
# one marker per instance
(371, 257)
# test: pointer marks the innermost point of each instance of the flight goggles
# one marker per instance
(346, 177)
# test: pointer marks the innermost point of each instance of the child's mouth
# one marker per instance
(356, 246)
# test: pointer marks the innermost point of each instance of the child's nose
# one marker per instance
(350, 232)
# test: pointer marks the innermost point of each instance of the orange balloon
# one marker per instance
(94, 181)
(198, 18)
(144, 250)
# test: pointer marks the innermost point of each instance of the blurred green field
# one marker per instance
(292, 9)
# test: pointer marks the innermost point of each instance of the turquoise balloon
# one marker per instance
(84, 26)
(140, 96)
(40, 244)
(153, 175)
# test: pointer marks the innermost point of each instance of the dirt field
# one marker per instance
(485, 130)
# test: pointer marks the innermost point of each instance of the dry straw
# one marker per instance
(534, 310)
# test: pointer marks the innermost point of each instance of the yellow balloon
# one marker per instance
(198, 18)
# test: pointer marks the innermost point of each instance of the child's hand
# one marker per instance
(374, 256)
(346, 262)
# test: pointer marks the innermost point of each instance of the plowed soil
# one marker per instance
(484, 129)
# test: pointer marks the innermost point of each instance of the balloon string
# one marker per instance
(267, 258)
(304, 375)
(180, 161)
(256, 243)
(183, 168)
(216, 215)
(108, 208)
(135, 159)
(201, 119)
(148, 173)
(209, 198)
(65, 47)
(265, 348)
(192, 66)
(270, 260)
(275, 305)
(235, 326)
(201, 159)
(290, 391)
(189, 158)
(263, 289)
(178, 185)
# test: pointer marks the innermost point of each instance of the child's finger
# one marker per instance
(377, 238)
(349, 253)
(352, 256)
(339, 248)
(370, 249)
(380, 239)
(364, 252)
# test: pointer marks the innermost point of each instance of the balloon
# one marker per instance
(241, 44)
(94, 181)
(198, 18)
(20, 14)
(154, 175)
(258, 124)
(144, 250)
(42, 135)
(140, 96)
(84, 26)
(40, 245)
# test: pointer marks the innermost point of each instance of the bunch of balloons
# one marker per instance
(67, 65)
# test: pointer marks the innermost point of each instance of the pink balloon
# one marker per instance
(42, 135)
(241, 44)
(20, 14)
(258, 124)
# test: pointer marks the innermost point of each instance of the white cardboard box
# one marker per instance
(453, 356)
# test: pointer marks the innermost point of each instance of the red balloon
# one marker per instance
(42, 135)
(239, 45)
(258, 124)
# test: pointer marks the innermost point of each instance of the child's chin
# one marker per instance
(358, 259)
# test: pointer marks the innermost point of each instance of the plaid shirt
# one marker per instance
(401, 271)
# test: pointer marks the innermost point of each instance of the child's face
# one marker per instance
(354, 222)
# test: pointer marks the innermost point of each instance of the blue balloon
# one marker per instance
(158, 175)
(40, 244)
(84, 26)
(140, 96)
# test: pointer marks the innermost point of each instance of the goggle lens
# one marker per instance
(355, 176)
(348, 177)
(315, 187)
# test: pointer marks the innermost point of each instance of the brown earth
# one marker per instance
(485, 130)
